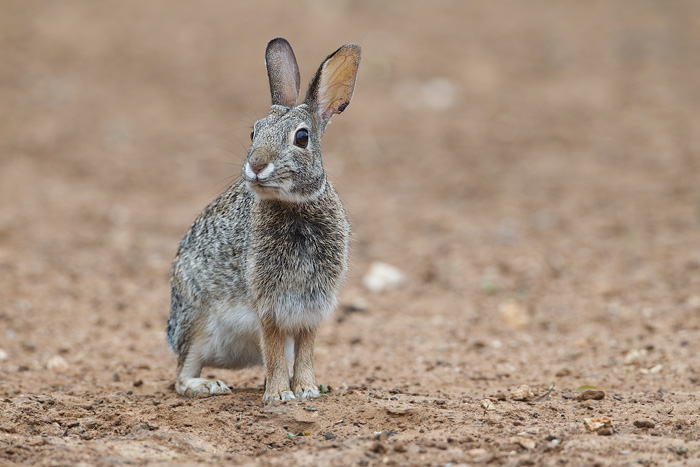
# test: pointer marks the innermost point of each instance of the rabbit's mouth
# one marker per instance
(257, 184)
(264, 188)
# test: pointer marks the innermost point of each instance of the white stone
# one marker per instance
(381, 277)
(57, 364)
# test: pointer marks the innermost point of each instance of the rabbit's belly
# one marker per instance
(233, 337)
(293, 311)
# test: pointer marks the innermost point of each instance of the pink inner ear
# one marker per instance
(338, 82)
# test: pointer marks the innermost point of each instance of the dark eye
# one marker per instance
(301, 138)
(252, 133)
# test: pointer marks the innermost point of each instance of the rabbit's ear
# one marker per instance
(283, 72)
(331, 90)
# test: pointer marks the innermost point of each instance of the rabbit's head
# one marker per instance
(284, 160)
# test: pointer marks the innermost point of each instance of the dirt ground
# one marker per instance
(532, 168)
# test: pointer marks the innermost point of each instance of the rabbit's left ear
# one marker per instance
(331, 89)
(283, 72)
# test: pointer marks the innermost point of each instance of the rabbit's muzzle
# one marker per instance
(258, 172)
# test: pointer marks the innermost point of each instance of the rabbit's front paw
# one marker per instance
(306, 391)
(202, 387)
(271, 396)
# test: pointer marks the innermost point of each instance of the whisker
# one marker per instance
(337, 179)
(221, 185)
(250, 103)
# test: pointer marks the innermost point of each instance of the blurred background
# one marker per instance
(531, 169)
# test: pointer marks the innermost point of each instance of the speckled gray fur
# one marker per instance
(270, 253)
(280, 258)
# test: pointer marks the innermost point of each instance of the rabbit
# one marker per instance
(261, 266)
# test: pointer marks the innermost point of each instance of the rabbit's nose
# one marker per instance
(257, 168)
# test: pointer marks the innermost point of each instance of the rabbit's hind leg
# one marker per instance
(188, 382)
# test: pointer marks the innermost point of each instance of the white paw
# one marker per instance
(202, 387)
(306, 392)
(270, 397)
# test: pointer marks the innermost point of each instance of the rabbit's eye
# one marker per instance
(252, 133)
(301, 138)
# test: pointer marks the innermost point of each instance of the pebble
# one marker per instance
(57, 364)
(513, 314)
(634, 357)
(400, 447)
(378, 448)
(644, 424)
(593, 394)
(3, 355)
(486, 404)
(652, 370)
(381, 277)
(522, 393)
(526, 443)
(599, 425)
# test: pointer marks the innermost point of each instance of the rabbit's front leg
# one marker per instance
(304, 380)
(277, 380)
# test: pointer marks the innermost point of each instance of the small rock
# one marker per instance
(439, 93)
(476, 452)
(381, 277)
(526, 443)
(522, 393)
(592, 394)
(486, 404)
(693, 302)
(593, 425)
(552, 444)
(3, 355)
(634, 357)
(513, 314)
(563, 372)
(644, 424)
(605, 431)
(378, 448)
(400, 447)
(138, 382)
(329, 435)
(57, 364)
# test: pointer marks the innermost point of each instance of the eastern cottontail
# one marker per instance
(261, 266)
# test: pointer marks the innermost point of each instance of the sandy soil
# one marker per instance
(532, 168)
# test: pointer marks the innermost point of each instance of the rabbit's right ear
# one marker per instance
(283, 72)
(332, 88)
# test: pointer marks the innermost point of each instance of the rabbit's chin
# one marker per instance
(265, 192)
